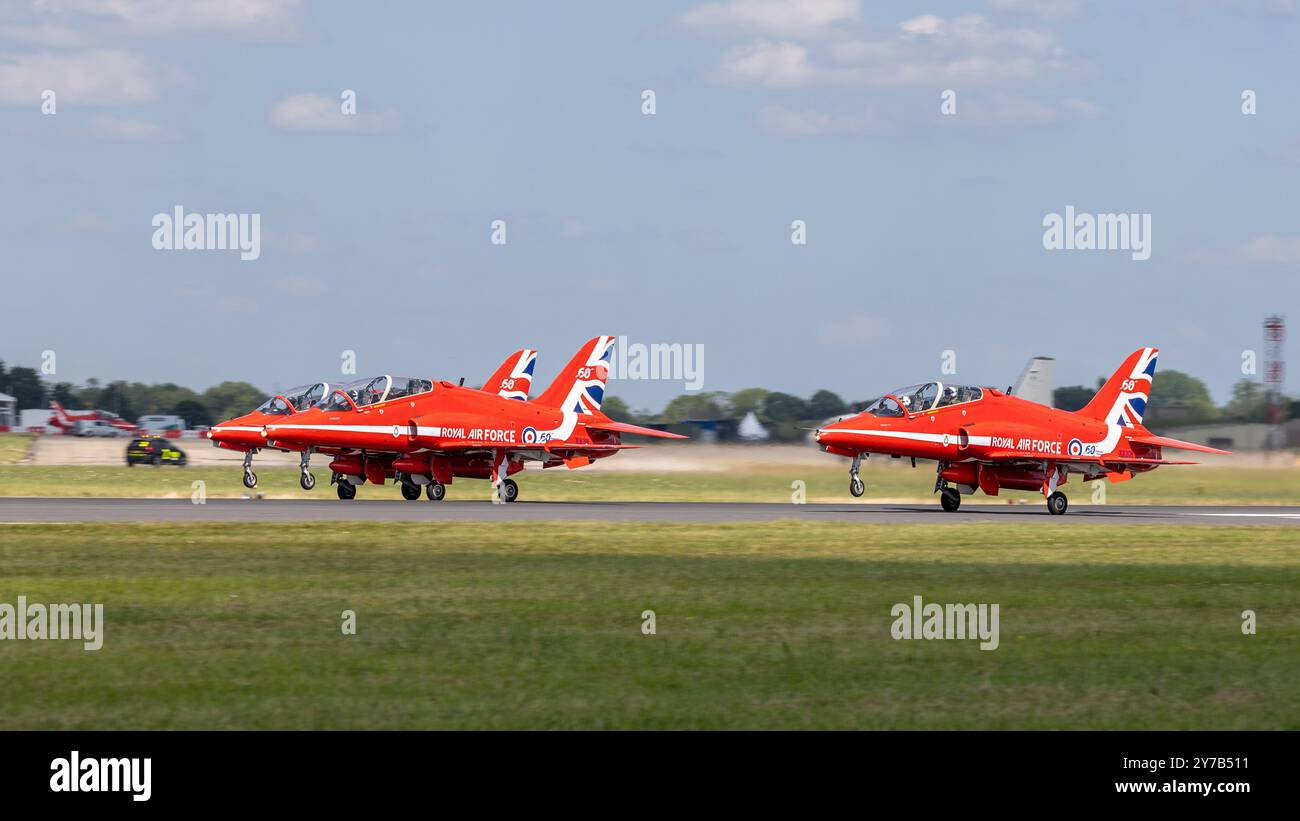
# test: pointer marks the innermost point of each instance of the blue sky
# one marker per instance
(924, 230)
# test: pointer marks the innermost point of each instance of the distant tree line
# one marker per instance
(1179, 399)
(131, 400)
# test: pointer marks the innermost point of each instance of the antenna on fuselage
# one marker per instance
(461, 383)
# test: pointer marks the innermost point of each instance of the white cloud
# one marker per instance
(783, 18)
(1270, 249)
(1264, 250)
(1001, 108)
(775, 65)
(43, 34)
(573, 229)
(296, 242)
(79, 22)
(962, 52)
(925, 24)
(299, 285)
(783, 122)
(88, 78)
(1083, 109)
(1046, 9)
(854, 330)
(316, 112)
(133, 130)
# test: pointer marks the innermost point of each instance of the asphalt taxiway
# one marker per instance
(56, 510)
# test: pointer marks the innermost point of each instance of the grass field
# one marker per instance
(13, 447)
(786, 625)
(761, 483)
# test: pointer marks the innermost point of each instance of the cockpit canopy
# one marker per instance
(299, 398)
(922, 398)
(373, 390)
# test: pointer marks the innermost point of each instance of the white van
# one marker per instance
(158, 423)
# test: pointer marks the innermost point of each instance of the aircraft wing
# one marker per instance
(1166, 442)
(624, 427)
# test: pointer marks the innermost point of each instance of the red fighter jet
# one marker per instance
(247, 433)
(983, 438)
(244, 433)
(430, 436)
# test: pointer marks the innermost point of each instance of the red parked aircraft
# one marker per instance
(247, 433)
(424, 434)
(66, 420)
(985, 439)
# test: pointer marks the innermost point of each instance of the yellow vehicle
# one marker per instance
(154, 450)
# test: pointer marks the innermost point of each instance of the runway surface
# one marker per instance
(43, 510)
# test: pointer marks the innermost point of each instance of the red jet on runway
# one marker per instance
(985, 439)
(247, 433)
(425, 434)
(244, 433)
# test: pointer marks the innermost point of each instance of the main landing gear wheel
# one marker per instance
(347, 490)
(250, 479)
(950, 499)
(435, 491)
(856, 486)
(410, 491)
(1057, 503)
(307, 481)
(509, 490)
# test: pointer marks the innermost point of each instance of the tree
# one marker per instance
(824, 404)
(25, 385)
(616, 408)
(65, 393)
(116, 397)
(745, 400)
(782, 407)
(230, 399)
(1249, 402)
(193, 412)
(1179, 399)
(693, 406)
(1072, 397)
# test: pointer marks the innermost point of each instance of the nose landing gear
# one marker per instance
(856, 485)
(250, 478)
(949, 497)
(306, 481)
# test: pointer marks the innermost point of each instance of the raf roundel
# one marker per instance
(530, 436)
(1075, 447)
